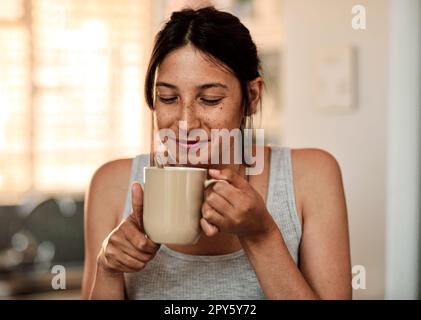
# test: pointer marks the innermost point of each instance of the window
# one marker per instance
(71, 98)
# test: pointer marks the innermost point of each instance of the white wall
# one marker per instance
(404, 169)
(357, 139)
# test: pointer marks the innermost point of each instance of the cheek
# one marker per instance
(165, 117)
(224, 116)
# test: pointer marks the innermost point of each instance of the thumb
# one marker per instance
(137, 203)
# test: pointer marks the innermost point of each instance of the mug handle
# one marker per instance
(208, 182)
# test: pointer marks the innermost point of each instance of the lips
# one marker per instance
(188, 144)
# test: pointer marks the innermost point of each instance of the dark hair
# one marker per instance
(220, 35)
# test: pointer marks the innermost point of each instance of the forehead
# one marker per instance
(187, 65)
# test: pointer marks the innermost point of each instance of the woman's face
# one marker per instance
(191, 88)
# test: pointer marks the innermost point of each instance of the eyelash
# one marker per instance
(209, 102)
(168, 100)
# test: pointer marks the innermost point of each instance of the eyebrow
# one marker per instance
(202, 86)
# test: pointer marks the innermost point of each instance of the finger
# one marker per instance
(228, 192)
(141, 243)
(117, 265)
(209, 229)
(229, 175)
(136, 254)
(212, 216)
(130, 250)
(138, 239)
(218, 203)
(131, 263)
(137, 203)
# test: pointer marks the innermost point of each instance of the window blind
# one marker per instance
(77, 70)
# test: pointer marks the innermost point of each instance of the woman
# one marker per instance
(281, 234)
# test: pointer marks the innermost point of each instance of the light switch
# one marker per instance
(335, 79)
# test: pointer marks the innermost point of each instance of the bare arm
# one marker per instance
(113, 250)
(102, 201)
(324, 270)
(325, 250)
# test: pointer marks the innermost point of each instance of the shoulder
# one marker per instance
(317, 176)
(112, 171)
(112, 175)
(109, 184)
(314, 161)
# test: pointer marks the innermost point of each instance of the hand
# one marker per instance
(126, 249)
(234, 207)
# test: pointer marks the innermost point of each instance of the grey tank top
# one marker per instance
(174, 275)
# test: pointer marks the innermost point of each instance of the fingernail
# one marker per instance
(214, 171)
(133, 184)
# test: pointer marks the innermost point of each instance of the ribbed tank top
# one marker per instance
(175, 275)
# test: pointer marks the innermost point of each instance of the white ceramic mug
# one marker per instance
(173, 197)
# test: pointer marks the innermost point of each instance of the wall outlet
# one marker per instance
(335, 83)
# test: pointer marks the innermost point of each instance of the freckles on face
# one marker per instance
(224, 116)
(191, 87)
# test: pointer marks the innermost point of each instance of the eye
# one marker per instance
(168, 100)
(211, 102)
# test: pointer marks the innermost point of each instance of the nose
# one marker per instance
(190, 116)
